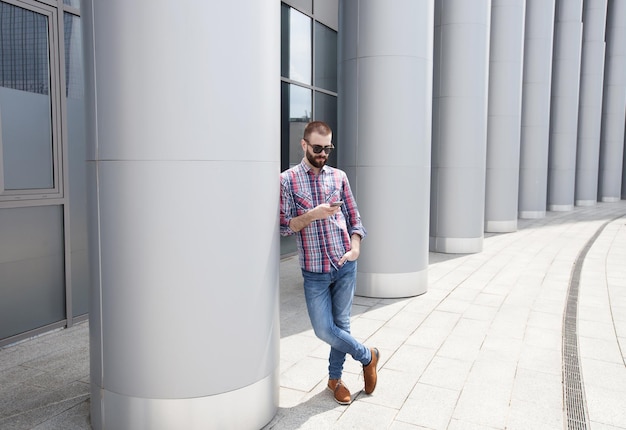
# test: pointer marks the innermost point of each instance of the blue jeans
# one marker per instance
(329, 302)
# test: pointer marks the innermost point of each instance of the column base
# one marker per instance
(610, 199)
(249, 407)
(586, 202)
(452, 245)
(391, 285)
(501, 226)
(560, 208)
(532, 214)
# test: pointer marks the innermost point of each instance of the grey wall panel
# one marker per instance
(564, 104)
(590, 105)
(348, 110)
(504, 114)
(32, 268)
(326, 11)
(460, 126)
(175, 265)
(78, 206)
(403, 76)
(160, 244)
(385, 93)
(536, 88)
(614, 105)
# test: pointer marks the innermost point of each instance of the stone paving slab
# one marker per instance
(482, 349)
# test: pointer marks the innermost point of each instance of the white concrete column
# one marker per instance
(590, 104)
(536, 87)
(385, 111)
(564, 104)
(457, 205)
(614, 105)
(506, 54)
(183, 206)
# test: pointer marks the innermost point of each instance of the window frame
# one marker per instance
(35, 196)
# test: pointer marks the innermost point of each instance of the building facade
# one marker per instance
(43, 235)
(139, 165)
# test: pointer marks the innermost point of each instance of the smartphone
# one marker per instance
(338, 203)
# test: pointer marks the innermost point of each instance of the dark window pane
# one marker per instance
(74, 80)
(284, 40)
(300, 102)
(284, 126)
(326, 110)
(325, 57)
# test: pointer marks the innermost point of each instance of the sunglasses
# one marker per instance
(317, 149)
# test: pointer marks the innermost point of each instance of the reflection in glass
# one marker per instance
(299, 47)
(25, 104)
(72, 3)
(300, 107)
(326, 110)
(325, 57)
(74, 80)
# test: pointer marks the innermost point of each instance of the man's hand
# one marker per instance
(319, 212)
(324, 211)
(351, 255)
(355, 251)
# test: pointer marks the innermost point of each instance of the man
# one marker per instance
(317, 205)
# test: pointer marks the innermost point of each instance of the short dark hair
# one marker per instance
(319, 127)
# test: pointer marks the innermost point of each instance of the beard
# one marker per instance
(316, 160)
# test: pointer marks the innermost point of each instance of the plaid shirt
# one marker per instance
(323, 242)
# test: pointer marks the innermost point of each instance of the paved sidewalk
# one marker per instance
(482, 349)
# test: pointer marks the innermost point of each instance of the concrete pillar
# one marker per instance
(614, 107)
(457, 205)
(536, 87)
(590, 104)
(564, 104)
(506, 54)
(385, 111)
(184, 316)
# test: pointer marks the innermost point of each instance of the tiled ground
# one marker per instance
(480, 350)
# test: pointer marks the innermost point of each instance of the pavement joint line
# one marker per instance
(619, 345)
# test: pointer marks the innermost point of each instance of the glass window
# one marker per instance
(326, 110)
(325, 57)
(300, 109)
(26, 144)
(300, 47)
(74, 79)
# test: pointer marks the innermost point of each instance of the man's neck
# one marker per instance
(316, 170)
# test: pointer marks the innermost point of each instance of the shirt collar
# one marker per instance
(325, 168)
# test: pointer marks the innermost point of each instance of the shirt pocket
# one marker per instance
(332, 194)
(303, 201)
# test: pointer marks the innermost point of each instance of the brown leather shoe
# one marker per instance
(369, 372)
(341, 392)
